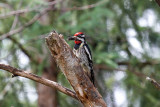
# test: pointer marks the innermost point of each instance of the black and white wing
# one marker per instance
(89, 57)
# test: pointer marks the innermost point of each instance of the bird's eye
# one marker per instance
(79, 36)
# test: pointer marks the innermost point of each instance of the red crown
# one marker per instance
(78, 33)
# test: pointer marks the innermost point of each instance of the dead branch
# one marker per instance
(38, 79)
(21, 28)
(5, 5)
(154, 82)
(14, 24)
(88, 6)
(34, 19)
(69, 65)
(21, 11)
(12, 13)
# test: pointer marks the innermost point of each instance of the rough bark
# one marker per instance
(69, 65)
(47, 96)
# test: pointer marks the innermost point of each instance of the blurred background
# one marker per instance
(124, 36)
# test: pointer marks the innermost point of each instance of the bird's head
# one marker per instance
(78, 38)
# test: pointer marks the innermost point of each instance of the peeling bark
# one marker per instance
(69, 65)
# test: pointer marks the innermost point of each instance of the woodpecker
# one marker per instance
(83, 52)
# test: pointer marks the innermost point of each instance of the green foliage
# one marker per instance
(106, 58)
(106, 27)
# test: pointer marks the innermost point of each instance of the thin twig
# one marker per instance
(40, 14)
(154, 82)
(16, 19)
(14, 24)
(21, 28)
(34, 19)
(36, 8)
(2, 16)
(5, 5)
(38, 79)
(88, 6)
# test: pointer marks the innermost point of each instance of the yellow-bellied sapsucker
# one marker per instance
(82, 51)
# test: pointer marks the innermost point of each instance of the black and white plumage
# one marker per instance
(83, 52)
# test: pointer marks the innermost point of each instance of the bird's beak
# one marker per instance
(72, 38)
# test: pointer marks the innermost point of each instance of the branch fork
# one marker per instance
(69, 64)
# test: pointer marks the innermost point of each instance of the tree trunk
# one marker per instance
(70, 66)
(47, 96)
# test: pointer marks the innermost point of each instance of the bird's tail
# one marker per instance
(92, 77)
